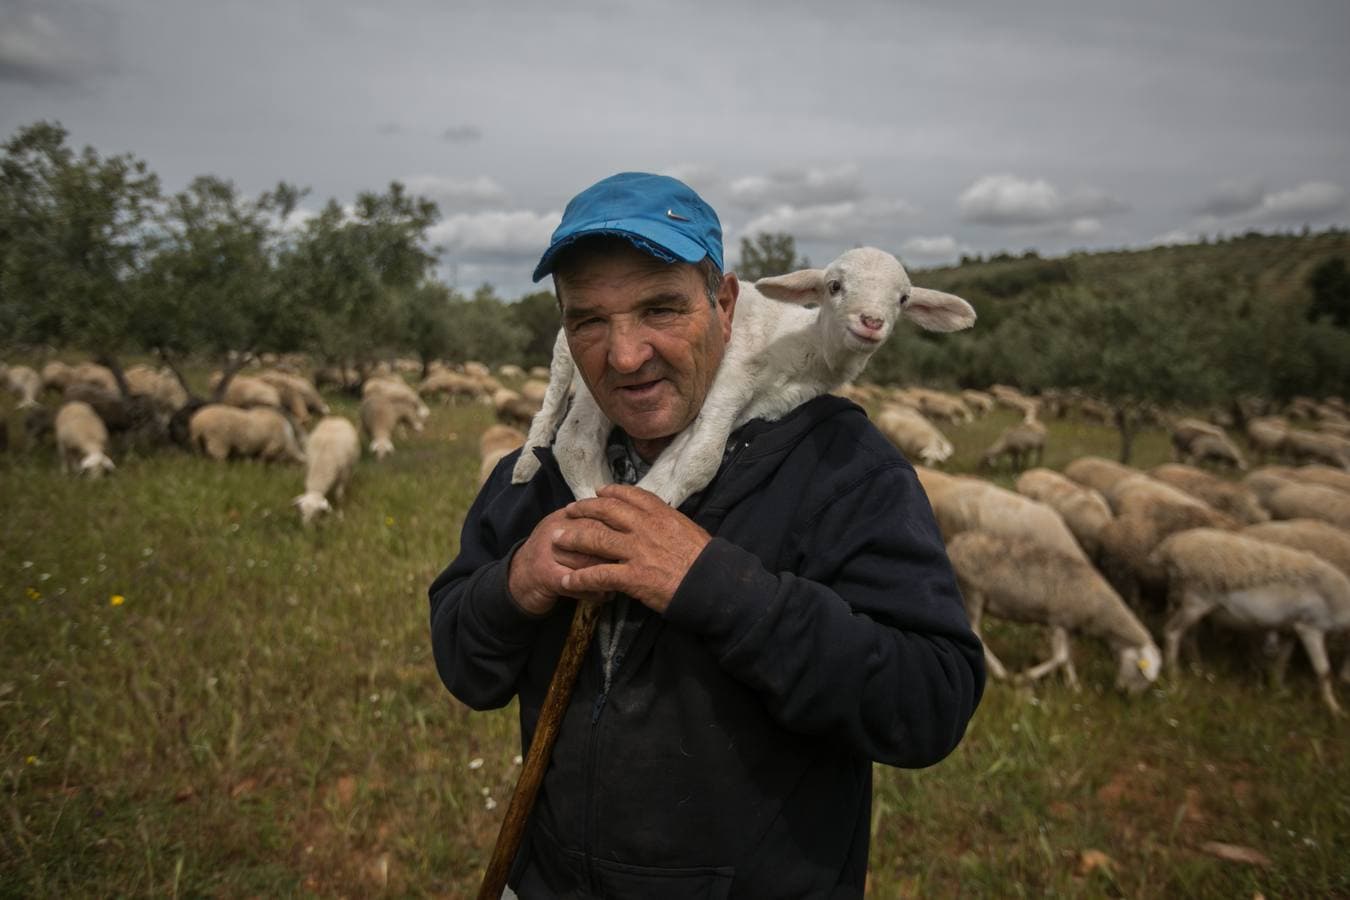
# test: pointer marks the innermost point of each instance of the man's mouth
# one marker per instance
(640, 390)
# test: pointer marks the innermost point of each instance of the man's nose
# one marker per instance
(628, 348)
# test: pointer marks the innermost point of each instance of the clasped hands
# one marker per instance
(625, 539)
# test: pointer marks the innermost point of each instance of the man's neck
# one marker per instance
(650, 450)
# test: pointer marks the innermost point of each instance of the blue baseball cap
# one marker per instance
(660, 215)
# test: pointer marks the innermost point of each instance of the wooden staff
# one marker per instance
(541, 748)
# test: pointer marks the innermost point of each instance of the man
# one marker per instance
(784, 628)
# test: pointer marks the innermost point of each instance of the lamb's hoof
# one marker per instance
(525, 468)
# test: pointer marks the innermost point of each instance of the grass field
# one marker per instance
(201, 698)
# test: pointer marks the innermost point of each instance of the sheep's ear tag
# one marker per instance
(1144, 664)
(672, 214)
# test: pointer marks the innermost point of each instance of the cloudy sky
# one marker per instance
(978, 127)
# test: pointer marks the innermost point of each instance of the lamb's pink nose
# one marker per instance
(871, 323)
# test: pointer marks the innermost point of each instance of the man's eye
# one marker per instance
(662, 311)
(585, 324)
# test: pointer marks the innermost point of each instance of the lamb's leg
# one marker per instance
(1193, 608)
(546, 422)
(1314, 642)
(580, 448)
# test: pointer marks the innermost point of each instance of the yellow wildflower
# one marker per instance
(34, 594)
(389, 520)
(116, 600)
(31, 761)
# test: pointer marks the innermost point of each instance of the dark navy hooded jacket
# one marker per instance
(819, 631)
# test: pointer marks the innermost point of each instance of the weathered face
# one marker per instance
(646, 340)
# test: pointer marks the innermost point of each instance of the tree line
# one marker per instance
(96, 256)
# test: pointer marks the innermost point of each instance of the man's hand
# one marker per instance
(645, 547)
(540, 565)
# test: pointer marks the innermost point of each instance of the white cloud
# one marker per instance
(849, 221)
(516, 235)
(1007, 200)
(1306, 201)
(1174, 238)
(800, 187)
(43, 42)
(930, 249)
(1085, 227)
(456, 193)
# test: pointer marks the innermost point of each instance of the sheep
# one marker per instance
(1313, 446)
(477, 370)
(511, 370)
(55, 376)
(1235, 500)
(1323, 475)
(398, 390)
(513, 409)
(1185, 430)
(331, 452)
(246, 391)
(1019, 443)
(534, 390)
(24, 383)
(978, 401)
(916, 437)
(220, 431)
(1266, 435)
(1258, 585)
(381, 413)
(968, 504)
(496, 442)
(1309, 501)
(163, 389)
(1126, 543)
(93, 375)
(82, 440)
(937, 405)
(1214, 448)
(1313, 535)
(1084, 510)
(780, 355)
(297, 394)
(1025, 581)
(1142, 491)
(1097, 473)
(539, 372)
(449, 385)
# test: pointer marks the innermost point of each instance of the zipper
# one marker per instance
(589, 795)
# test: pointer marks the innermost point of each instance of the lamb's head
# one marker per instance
(311, 505)
(865, 291)
(1139, 668)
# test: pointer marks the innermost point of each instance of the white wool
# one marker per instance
(780, 355)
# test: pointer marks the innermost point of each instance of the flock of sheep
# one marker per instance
(1092, 550)
(260, 415)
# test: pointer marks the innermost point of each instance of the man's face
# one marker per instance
(646, 340)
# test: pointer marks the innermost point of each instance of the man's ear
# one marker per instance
(727, 294)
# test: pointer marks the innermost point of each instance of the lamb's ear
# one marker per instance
(935, 311)
(803, 286)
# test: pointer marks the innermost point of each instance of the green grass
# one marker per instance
(261, 715)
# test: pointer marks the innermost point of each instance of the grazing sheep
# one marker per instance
(1025, 581)
(510, 370)
(332, 451)
(1266, 435)
(969, 504)
(1227, 497)
(495, 443)
(513, 409)
(297, 394)
(534, 390)
(780, 355)
(245, 391)
(82, 440)
(398, 390)
(55, 376)
(1323, 475)
(539, 372)
(1185, 430)
(220, 431)
(1313, 446)
(1214, 448)
(1097, 473)
(1311, 535)
(449, 385)
(477, 370)
(937, 405)
(95, 376)
(1257, 585)
(381, 413)
(1125, 544)
(978, 401)
(1084, 510)
(1309, 501)
(916, 437)
(161, 388)
(1017, 442)
(24, 383)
